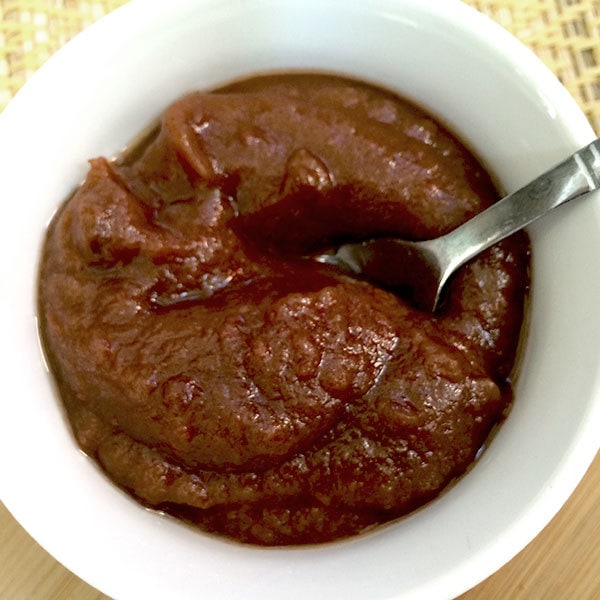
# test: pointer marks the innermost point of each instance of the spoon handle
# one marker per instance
(574, 177)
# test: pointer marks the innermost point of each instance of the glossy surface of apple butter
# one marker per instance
(218, 375)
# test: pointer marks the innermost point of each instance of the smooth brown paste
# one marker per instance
(217, 374)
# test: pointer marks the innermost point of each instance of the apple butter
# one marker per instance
(218, 374)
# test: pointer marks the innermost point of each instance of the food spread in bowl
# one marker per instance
(217, 374)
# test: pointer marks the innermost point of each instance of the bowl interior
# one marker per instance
(98, 92)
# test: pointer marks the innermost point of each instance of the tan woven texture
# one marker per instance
(565, 34)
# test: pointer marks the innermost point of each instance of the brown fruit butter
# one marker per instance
(218, 375)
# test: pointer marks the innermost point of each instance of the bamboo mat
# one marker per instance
(565, 34)
(564, 560)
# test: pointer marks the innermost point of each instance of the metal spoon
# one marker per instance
(421, 269)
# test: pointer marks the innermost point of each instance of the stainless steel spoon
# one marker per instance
(421, 269)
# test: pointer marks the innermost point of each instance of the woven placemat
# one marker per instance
(565, 34)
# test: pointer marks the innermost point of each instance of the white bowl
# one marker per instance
(100, 90)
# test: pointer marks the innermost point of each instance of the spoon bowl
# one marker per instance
(420, 269)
